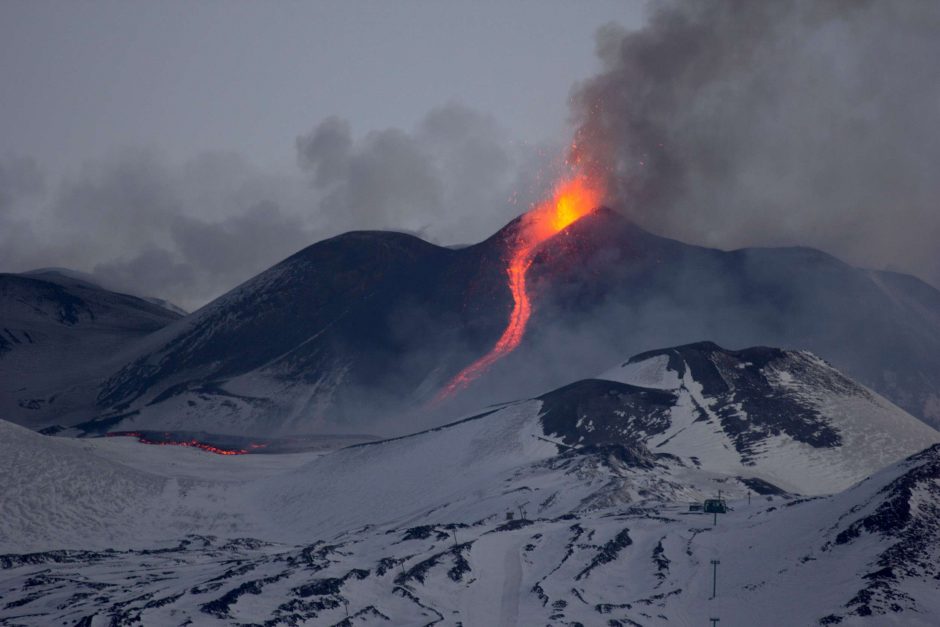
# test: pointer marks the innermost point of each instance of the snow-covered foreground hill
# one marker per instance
(868, 556)
(784, 416)
(572, 508)
(761, 419)
(771, 420)
(115, 492)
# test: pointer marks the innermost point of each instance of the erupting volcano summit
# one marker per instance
(573, 199)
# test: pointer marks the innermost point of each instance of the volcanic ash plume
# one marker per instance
(734, 122)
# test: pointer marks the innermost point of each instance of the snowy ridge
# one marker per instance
(784, 416)
(372, 323)
(844, 557)
(58, 337)
(589, 445)
(568, 509)
(111, 493)
(271, 353)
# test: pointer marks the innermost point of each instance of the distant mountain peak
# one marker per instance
(76, 277)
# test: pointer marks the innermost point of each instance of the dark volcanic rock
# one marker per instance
(744, 391)
(905, 514)
(378, 320)
(596, 412)
(750, 406)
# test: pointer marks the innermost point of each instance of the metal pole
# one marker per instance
(715, 578)
(715, 621)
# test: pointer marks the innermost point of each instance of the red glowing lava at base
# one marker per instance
(573, 199)
(171, 441)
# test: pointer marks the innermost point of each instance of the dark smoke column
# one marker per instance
(741, 122)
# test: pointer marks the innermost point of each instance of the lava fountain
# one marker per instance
(572, 199)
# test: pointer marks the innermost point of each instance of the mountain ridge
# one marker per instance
(509, 516)
(373, 323)
(59, 337)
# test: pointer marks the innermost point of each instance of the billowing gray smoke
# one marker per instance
(813, 122)
(454, 179)
(189, 231)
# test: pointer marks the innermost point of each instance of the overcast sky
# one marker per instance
(178, 148)
(81, 78)
(155, 144)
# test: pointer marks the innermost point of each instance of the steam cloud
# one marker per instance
(455, 179)
(139, 224)
(191, 231)
(737, 123)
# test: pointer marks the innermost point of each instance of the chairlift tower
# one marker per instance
(715, 578)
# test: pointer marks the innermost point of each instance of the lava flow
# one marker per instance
(573, 199)
(169, 440)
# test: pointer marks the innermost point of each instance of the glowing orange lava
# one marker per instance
(189, 443)
(572, 200)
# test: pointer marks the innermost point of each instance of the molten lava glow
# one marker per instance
(572, 200)
(190, 443)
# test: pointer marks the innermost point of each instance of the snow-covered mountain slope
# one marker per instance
(867, 556)
(68, 276)
(111, 492)
(59, 335)
(759, 420)
(114, 492)
(785, 416)
(568, 509)
(768, 418)
(372, 324)
(481, 467)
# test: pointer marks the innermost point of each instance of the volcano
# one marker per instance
(572, 201)
(351, 332)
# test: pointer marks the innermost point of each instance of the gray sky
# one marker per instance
(178, 148)
(733, 123)
(158, 145)
(81, 78)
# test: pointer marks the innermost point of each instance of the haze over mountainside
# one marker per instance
(362, 313)
(359, 332)
(59, 335)
(663, 427)
(69, 276)
(774, 421)
(529, 513)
